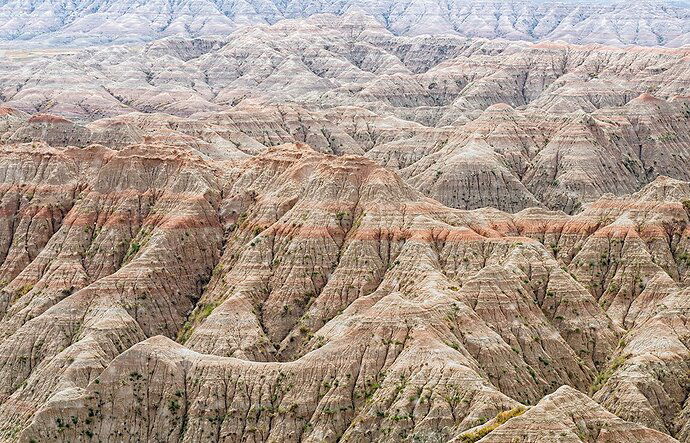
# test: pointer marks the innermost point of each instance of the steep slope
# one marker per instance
(331, 299)
(327, 61)
(347, 221)
(568, 415)
(471, 123)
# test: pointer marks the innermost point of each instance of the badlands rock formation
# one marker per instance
(338, 229)
(649, 23)
(471, 123)
(153, 294)
(328, 61)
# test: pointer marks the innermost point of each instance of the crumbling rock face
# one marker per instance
(469, 122)
(338, 229)
(568, 415)
(506, 158)
(93, 287)
(299, 296)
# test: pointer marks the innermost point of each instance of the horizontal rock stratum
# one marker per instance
(344, 221)
(649, 23)
(152, 294)
(470, 122)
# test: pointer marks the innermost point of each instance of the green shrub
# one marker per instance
(202, 311)
(606, 374)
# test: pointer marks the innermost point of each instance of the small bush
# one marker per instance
(25, 289)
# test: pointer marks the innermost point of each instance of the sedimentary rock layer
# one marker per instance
(659, 23)
(152, 293)
(469, 122)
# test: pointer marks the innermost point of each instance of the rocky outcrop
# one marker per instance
(300, 296)
(471, 123)
(335, 229)
(568, 415)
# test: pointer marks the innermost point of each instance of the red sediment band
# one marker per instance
(646, 206)
(24, 188)
(460, 234)
(110, 123)
(501, 230)
(34, 212)
(169, 223)
(648, 98)
(529, 227)
(47, 118)
(165, 222)
(7, 111)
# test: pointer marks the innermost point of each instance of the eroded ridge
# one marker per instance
(300, 296)
(472, 123)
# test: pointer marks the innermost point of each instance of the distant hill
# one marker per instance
(89, 22)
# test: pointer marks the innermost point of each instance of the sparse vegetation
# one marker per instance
(686, 205)
(136, 244)
(200, 313)
(173, 406)
(24, 289)
(606, 374)
(501, 418)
